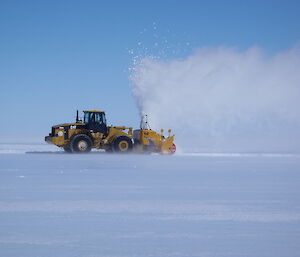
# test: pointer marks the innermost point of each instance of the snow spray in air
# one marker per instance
(224, 100)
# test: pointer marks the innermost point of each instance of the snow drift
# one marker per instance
(222, 99)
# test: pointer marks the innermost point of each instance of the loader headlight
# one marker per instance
(60, 133)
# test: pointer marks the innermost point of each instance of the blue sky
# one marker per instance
(59, 56)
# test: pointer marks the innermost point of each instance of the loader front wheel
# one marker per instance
(122, 144)
(81, 144)
(67, 149)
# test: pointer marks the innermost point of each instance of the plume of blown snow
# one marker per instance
(223, 100)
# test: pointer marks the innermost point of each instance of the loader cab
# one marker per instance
(95, 121)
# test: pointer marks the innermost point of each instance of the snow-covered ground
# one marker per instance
(99, 205)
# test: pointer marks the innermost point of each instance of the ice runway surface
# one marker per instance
(102, 205)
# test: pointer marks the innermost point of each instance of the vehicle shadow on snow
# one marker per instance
(90, 153)
(62, 152)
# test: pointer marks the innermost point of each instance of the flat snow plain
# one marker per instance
(100, 205)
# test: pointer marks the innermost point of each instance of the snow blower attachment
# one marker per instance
(92, 132)
(147, 140)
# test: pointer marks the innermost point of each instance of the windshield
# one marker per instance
(94, 117)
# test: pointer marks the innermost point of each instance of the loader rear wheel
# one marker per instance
(109, 150)
(81, 144)
(122, 144)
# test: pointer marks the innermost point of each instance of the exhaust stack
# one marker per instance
(77, 118)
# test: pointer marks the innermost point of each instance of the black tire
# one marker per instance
(122, 144)
(81, 144)
(67, 149)
(109, 150)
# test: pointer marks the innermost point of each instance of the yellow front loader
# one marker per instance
(93, 132)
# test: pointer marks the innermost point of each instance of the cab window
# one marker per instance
(91, 117)
(98, 118)
(86, 117)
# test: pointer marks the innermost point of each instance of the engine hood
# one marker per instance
(67, 125)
